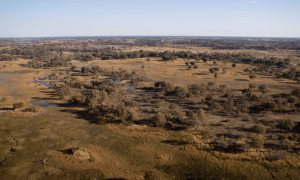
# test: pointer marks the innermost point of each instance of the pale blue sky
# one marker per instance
(50, 18)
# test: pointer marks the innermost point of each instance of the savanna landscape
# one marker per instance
(149, 108)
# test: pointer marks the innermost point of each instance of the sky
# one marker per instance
(238, 18)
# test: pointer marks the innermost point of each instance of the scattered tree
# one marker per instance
(286, 124)
(3, 99)
(18, 105)
(257, 142)
(159, 119)
(252, 76)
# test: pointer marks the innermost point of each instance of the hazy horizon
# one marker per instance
(232, 18)
(150, 36)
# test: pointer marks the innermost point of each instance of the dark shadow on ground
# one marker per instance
(48, 98)
(241, 79)
(229, 135)
(175, 142)
(289, 82)
(70, 151)
(175, 127)
(6, 109)
(231, 148)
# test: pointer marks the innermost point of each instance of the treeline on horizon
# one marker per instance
(53, 56)
(45, 53)
(215, 43)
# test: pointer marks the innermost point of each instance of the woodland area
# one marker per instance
(240, 95)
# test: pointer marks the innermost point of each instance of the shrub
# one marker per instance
(173, 106)
(31, 109)
(281, 137)
(271, 105)
(232, 146)
(201, 114)
(251, 86)
(252, 76)
(18, 105)
(209, 98)
(224, 71)
(121, 111)
(189, 113)
(252, 96)
(262, 87)
(73, 68)
(180, 92)
(214, 70)
(154, 175)
(296, 137)
(196, 66)
(258, 128)
(157, 101)
(159, 119)
(211, 84)
(3, 99)
(228, 94)
(161, 84)
(214, 105)
(257, 142)
(286, 124)
(131, 117)
(130, 103)
(292, 99)
(223, 86)
(208, 134)
(246, 90)
(233, 65)
(297, 105)
(272, 155)
(158, 95)
(190, 95)
(296, 92)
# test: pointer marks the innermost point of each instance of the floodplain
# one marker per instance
(149, 108)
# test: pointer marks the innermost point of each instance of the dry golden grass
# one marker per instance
(44, 139)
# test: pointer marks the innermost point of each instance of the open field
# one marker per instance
(149, 118)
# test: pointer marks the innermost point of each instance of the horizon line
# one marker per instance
(146, 36)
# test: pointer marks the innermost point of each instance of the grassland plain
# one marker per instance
(58, 143)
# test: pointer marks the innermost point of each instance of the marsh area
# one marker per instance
(135, 111)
